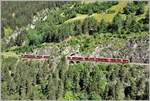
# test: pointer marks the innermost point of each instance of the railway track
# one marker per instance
(144, 64)
(79, 58)
(45, 57)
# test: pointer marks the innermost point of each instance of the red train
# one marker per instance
(79, 58)
(97, 59)
(30, 56)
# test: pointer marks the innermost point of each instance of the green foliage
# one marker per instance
(69, 84)
(78, 67)
(20, 38)
(34, 37)
(120, 91)
(7, 31)
(102, 26)
(56, 28)
(45, 80)
(89, 25)
(94, 96)
(135, 7)
(69, 95)
(117, 24)
(79, 81)
(17, 14)
(88, 8)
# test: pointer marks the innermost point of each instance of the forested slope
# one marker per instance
(117, 29)
(94, 81)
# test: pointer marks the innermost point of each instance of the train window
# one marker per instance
(68, 57)
(46, 56)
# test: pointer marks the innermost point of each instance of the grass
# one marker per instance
(117, 8)
(9, 54)
(106, 16)
(80, 17)
(99, 16)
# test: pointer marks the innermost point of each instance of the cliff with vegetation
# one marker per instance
(117, 29)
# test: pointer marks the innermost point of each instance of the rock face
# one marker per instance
(139, 51)
(41, 16)
(136, 50)
(44, 51)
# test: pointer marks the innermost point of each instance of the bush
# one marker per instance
(94, 96)
(69, 95)
(34, 37)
